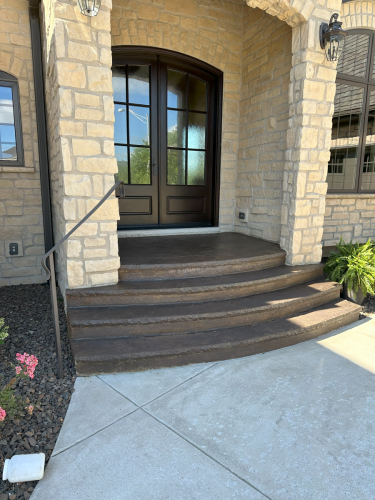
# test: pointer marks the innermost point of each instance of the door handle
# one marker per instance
(154, 169)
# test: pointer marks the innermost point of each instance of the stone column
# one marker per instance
(81, 116)
(311, 96)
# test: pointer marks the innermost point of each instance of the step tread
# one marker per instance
(182, 343)
(188, 250)
(193, 283)
(86, 316)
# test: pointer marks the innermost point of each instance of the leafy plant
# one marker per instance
(3, 331)
(353, 264)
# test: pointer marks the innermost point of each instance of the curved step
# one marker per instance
(194, 289)
(119, 321)
(94, 356)
(205, 268)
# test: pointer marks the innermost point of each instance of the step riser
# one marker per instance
(85, 368)
(200, 269)
(134, 297)
(194, 324)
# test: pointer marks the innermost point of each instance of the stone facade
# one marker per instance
(277, 115)
(20, 198)
(351, 216)
(77, 52)
(264, 114)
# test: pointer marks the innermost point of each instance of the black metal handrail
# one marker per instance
(51, 272)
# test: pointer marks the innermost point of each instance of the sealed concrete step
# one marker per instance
(194, 289)
(119, 321)
(186, 256)
(93, 356)
(208, 268)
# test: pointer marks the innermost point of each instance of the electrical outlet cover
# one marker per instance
(20, 248)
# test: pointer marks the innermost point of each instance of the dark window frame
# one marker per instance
(7, 80)
(368, 83)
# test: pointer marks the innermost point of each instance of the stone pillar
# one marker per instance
(311, 96)
(80, 118)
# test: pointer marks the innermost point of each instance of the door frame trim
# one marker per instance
(219, 75)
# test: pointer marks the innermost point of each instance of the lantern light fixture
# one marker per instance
(332, 38)
(89, 7)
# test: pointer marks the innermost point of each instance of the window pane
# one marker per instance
(119, 84)
(353, 60)
(121, 153)
(176, 167)
(8, 150)
(176, 89)
(196, 167)
(368, 176)
(139, 84)
(140, 171)
(197, 94)
(120, 124)
(139, 125)
(197, 131)
(346, 124)
(177, 129)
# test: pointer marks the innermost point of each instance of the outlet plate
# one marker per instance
(7, 247)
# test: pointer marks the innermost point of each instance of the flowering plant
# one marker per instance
(28, 363)
(3, 331)
(11, 405)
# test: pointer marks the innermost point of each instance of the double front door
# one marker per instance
(165, 140)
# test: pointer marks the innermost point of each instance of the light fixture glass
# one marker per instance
(332, 38)
(89, 7)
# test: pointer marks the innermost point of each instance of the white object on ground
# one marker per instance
(22, 468)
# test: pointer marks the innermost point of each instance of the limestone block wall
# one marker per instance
(77, 52)
(264, 113)
(311, 95)
(20, 198)
(209, 30)
(351, 216)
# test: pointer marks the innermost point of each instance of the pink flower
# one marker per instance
(18, 369)
(28, 363)
(30, 409)
(3, 414)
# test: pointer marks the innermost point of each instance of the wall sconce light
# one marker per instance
(332, 38)
(89, 7)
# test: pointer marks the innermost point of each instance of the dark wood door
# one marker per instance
(164, 141)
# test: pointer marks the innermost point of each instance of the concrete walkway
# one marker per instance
(297, 423)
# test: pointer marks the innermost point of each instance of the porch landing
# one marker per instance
(200, 298)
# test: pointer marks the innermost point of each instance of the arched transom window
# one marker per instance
(352, 164)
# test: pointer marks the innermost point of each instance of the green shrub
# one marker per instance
(353, 264)
(3, 331)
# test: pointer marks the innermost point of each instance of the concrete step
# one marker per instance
(194, 289)
(271, 257)
(120, 321)
(93, 356)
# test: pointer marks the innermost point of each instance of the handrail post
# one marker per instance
(50, 272)
(55, 315)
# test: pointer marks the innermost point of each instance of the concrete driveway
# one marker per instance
(297, 423)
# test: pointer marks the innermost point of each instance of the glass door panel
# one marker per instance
(135, 135)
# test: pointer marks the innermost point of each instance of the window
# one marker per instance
(11, 150)
(351, 167)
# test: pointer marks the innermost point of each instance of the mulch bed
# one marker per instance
(369, 305)
(27, 311)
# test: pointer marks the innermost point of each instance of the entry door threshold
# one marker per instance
(167, 232)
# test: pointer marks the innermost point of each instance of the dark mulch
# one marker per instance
(369, 305)
(27, 312)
